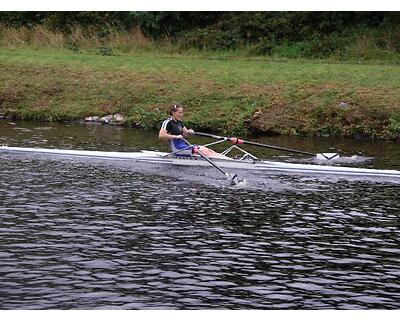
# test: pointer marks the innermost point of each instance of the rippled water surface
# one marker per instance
(85, 234)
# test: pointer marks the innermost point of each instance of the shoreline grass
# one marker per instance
(221, 93)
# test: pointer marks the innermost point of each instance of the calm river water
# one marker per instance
(91, 234)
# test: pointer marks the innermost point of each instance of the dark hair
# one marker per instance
(173, 108)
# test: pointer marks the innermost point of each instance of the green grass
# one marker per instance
(225, 70)
(221, 93)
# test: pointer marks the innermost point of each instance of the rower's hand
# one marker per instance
(187, 133)
(179, 136)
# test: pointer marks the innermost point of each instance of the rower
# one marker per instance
(174, 130)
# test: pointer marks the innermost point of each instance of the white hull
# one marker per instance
(266, 166)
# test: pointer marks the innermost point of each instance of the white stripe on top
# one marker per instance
(164, 124)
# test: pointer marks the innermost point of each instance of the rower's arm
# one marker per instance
(163, 134)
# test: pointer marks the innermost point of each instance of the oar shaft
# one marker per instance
(177, 151)
(205, 158)
(210, 135)
(256, 144)
(211, 162)
(278, 148)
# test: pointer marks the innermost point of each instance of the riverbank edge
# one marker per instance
(252, 131)
(68, 92)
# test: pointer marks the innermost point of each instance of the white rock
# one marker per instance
(106, 119)
(92, 119)
(118, 117)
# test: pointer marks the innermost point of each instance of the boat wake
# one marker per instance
(355, 159)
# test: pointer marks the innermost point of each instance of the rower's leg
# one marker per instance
(211, 153)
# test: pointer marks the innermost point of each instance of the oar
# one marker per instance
(327, 156)
(176, 152)
(233, 178)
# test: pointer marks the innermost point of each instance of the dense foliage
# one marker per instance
(155, 24)
(294, 34)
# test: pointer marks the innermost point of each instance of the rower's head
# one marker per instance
(176, 112)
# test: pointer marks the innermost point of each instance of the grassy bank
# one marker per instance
(221, 93)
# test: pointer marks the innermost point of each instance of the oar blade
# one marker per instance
(235, 180)
(328, 156)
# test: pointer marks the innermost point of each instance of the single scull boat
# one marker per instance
(246, 162)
